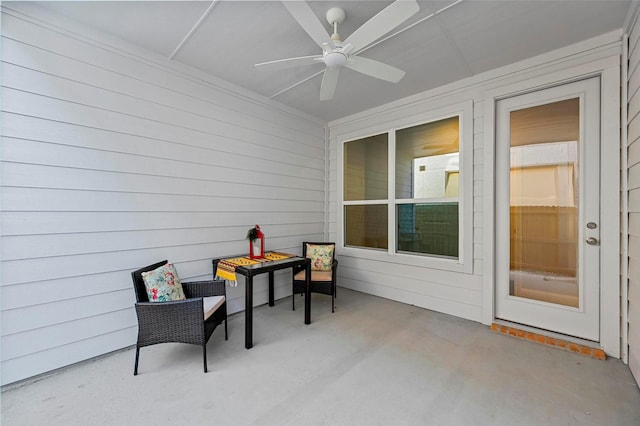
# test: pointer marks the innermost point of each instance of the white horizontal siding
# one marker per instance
(62, 222)
(131, 69)
(112, 161)
(66, 354)
(633, 141)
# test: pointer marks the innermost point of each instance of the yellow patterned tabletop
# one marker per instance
(227, 267)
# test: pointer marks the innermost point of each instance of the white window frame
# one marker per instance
(464, 262)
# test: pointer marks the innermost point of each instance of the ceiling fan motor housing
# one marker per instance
(335, 58)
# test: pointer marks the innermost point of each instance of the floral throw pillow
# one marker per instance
(321, 256)
(163, 284)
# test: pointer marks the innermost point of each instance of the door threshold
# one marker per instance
(549, 338)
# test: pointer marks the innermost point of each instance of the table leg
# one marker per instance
(307, 294)
(271, 298)
(248, 313)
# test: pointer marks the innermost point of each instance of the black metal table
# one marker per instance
(249, 271)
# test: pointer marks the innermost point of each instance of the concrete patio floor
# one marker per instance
(372, 362)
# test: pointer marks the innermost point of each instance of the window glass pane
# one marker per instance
(428, 228)
(426, 156)
(544, 204)
(366, 226)
(365, 169)
(451, 184)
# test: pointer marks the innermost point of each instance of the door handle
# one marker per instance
(592, 241)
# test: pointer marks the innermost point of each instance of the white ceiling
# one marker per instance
(470, 37)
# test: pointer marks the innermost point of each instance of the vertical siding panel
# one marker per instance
(110, 162)
(478, 182)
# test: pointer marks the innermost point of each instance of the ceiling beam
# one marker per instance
(194, 28)
(295, 84)
(411, 26)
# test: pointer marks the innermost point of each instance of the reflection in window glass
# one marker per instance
(544, 205)
(428, 228)
(451, 184)
(406, 185)
(436, 176)
(365, 169)
(424, 155)
(366, 226)
(428, 169)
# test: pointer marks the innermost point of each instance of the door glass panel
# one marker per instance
(544, 202)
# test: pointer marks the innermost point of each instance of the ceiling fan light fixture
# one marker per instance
(335, 60)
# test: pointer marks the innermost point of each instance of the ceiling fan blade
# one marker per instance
(386, 20)
(329, 83)
(375, 69)
(309, 22)
(289, 62)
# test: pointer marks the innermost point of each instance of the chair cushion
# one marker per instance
(163, 284)
(211, 304)
(321, 256)
(315, 276)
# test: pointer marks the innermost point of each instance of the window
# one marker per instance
(426, 197)
(365, 182)
(404, 190)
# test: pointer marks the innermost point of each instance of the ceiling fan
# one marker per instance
(337, 54)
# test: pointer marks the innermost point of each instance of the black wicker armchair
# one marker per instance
(178, 321)
(323, 282)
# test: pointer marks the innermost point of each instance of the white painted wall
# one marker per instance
(469, 294)
(633, 151)
(114, 158)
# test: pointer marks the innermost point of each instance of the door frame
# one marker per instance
(583, 320)
(608, 69)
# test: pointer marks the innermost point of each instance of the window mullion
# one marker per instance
(363, 202)
(391, 226)
(427, 200)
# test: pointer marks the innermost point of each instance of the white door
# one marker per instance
(547, 209)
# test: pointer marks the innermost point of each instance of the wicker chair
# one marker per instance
(181, 321)
(323, 282)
